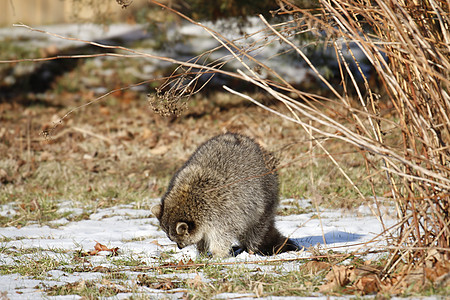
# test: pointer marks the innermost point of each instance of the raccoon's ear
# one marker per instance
(182, 228)
(156, 210)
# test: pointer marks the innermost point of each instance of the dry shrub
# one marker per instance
(408, 44)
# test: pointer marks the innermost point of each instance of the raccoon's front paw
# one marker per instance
(219, 245)
(220, 253)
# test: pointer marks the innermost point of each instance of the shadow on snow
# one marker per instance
(331, 237)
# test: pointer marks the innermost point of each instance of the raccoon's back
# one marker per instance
(228, 163)
(234, 156)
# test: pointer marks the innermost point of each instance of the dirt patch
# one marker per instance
(118, 151)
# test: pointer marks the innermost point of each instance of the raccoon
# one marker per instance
(226, 192)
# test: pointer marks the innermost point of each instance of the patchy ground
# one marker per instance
(136, 258)
(75, 204)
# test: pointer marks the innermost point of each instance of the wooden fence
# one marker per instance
(41, 12)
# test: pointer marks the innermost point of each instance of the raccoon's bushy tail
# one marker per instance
(274, 243)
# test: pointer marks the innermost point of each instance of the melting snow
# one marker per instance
(136, 233)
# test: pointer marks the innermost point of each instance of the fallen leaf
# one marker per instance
(33, 205)
(99, 248)
(77, 285)
(46, 156)
(338, 277)
(155, 242)
(183, 264)
(150, 137)
(443, 280)
(368, 284)
(439, 268)
(315, 267)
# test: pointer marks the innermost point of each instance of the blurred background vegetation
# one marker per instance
(44, 12)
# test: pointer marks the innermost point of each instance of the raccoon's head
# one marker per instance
(178, 229)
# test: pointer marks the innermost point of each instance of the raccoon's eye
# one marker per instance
(191, 225)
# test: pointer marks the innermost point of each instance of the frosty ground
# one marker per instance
(141, 243)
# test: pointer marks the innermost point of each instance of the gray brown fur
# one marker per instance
(227, 191)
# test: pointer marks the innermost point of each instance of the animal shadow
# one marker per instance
(331, 237)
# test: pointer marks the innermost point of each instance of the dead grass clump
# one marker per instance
(408, 45)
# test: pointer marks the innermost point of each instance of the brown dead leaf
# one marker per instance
(180, 265)
(183, 264)
(414, 280)
(46, 156)
(2, 131)
(157, 283)
(430, 274)
(328, 287)
(439, 268)
(315, 267)
(389, 286)
(443, 280)
(90, 253)
(77, 285)
(368, 285)
(434, 272)
(338, 277)
(155, 242)
(150, 136)
(98, 248)
(125, 135)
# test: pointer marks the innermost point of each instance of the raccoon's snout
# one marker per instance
(181, 245)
